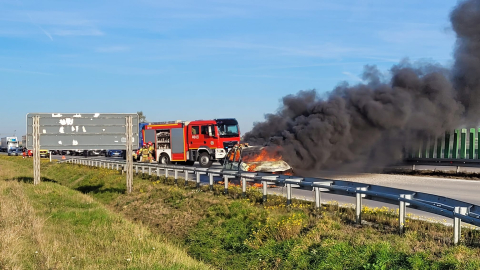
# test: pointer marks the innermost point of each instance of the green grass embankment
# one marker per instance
(233, 233)
(51, 226)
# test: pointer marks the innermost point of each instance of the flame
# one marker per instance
(289, 172)
(252, 168)
(264, 155)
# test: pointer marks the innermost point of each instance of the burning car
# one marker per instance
(243, 157)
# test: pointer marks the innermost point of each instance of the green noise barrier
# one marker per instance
(462, 145)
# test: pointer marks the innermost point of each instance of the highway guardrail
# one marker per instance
(457, 210)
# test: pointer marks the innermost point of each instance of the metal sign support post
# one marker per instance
(129, 158)
(36, 150)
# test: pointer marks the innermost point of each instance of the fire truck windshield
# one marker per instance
(226, 130)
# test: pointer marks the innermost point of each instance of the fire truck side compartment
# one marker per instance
(150, 135)
(178, 146)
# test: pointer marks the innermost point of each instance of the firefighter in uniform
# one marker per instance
(145, 153)
(151, 150)
(139, 153)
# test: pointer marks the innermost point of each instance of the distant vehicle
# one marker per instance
(14, 152)
(113, 153)
(64, 152)
(44, 153)
(94, 152)
(8, 143)
(76, 152)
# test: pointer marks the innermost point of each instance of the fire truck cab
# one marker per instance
(204, 141)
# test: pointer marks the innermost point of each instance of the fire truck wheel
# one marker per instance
(205, 160)
(164, 159)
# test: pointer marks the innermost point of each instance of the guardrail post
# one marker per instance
(457, 223)
(198, 180)
(244, 187)
(176, 176)
(413, 167)
(149, 170)
(186, 177)
(264, 187)
(199, 173)
(317, 197)
(289, 194)
(136, 169)
(401, 213)
(117, 166)
(210, 181)
(158, 173)
(358, 208)
(166, 172)
(458, 169)
(225, 181)
(143, 169)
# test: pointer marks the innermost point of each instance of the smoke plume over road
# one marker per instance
(373, 123)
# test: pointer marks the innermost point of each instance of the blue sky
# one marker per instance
(201, 59)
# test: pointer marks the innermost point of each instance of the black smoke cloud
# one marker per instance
(375, 123)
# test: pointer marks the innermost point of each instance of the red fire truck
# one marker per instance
(185, 142)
